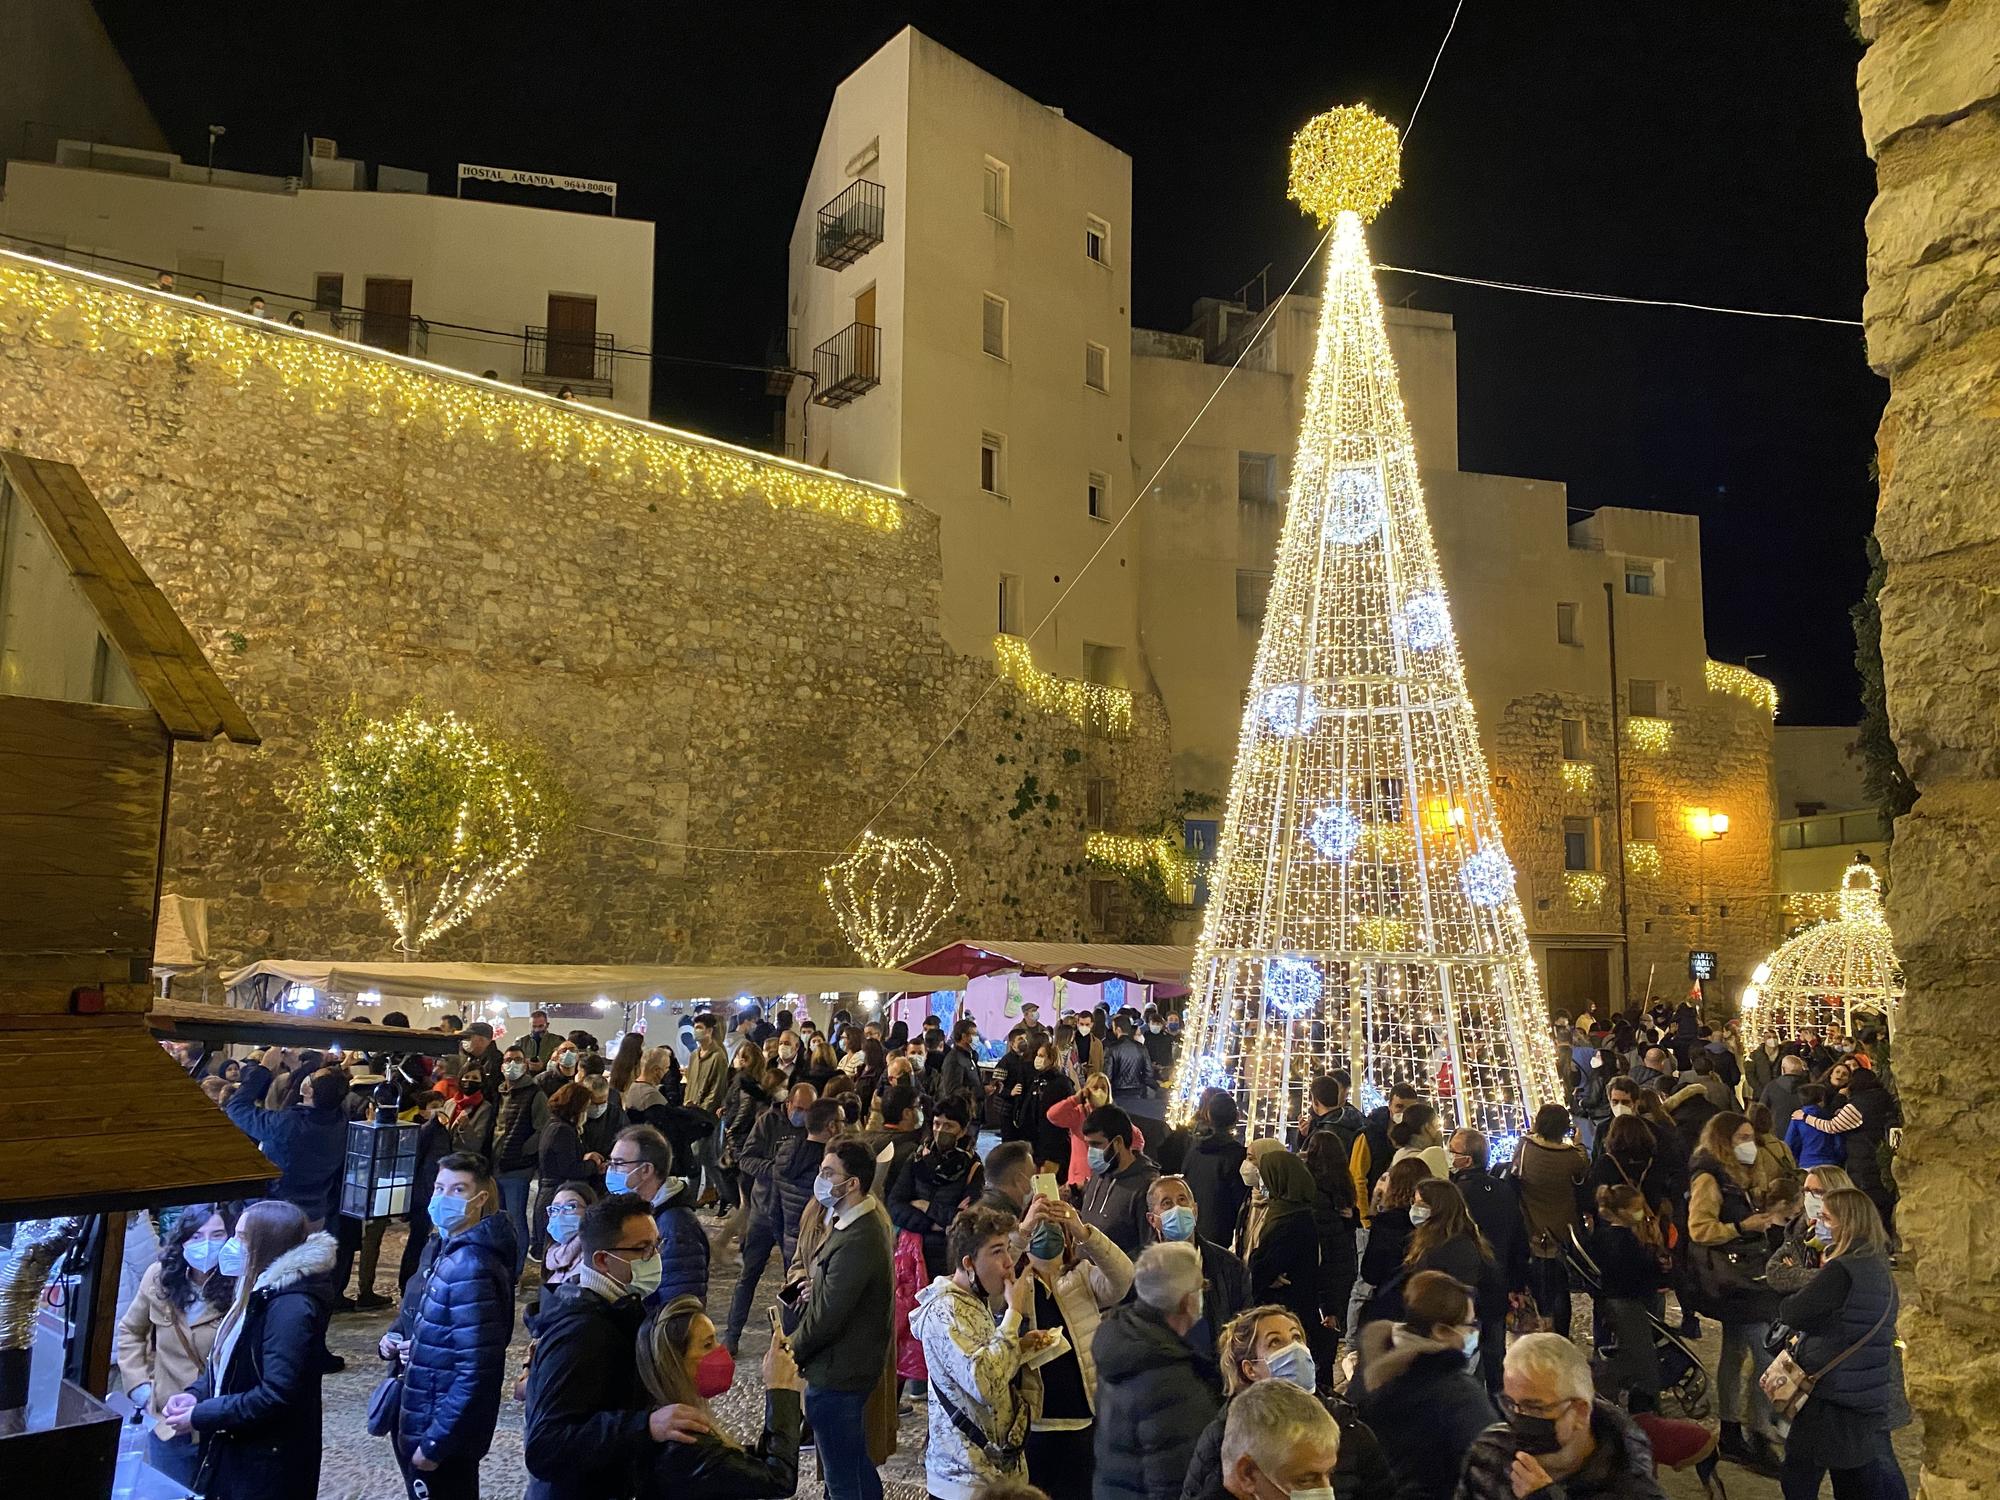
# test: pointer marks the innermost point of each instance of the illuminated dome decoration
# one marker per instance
(1824, 975)
(1362, 911)
(1348, 160)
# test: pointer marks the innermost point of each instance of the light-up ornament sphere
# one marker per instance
(1487, 878)
(1335, 832)
(1348, 159)
(1424, 623)
(1292, 985)
(1288, 710)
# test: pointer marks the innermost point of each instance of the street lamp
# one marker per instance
(1705, 826)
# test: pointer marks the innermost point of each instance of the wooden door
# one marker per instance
(1579, 977)
(572, 336)
(385, 314)
(867, 338)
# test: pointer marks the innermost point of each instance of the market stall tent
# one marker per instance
(1001, 977)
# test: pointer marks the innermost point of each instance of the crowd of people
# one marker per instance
(1100, 1307)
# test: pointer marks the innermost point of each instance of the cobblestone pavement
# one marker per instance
(360, 1467)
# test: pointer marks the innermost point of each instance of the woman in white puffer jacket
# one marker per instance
(978, 1409)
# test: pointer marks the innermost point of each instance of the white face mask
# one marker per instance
(1248, 1172)
(1420, 1213)
(1746, 1152)
(1814, 1204)
(1621, 1110)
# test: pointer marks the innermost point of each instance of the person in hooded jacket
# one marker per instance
(256, 1407)
(1267, 1343)
(1213, 1165)
(1418, 1386)
(168, 1328)
(308, 1143)
(1155, 1394)
(1114, 1199)
(1048, 1086)
(518, 1123)
(450, 1338)
(926, 1197)
(683, 1363)
(1846, 1322)
(1284, 1262)
(1558, 1439)
(979, 1411)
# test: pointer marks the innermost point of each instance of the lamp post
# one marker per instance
(1706, 826)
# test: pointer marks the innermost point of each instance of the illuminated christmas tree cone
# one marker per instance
(1362, 911)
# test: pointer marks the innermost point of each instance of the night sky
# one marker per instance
(1697, 150)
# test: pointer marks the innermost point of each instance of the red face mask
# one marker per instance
(714, 1373)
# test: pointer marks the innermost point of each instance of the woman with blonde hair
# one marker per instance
(1846, 1322)
(1069, 1113)
(1729, 1233)
(681, 1363)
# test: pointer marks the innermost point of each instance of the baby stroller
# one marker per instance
(1682, 1378)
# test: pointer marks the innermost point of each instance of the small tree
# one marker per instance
(429, 813)
(1883, 778)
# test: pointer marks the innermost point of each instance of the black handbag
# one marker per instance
(1732, 1270)
(385, 1403)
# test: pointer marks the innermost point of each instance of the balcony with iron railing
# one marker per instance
(849, 364)
(578, 358)
(851, 225)
(399, 333)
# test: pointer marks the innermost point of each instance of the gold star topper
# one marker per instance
(1348, 158)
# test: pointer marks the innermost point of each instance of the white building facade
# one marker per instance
(537, 296)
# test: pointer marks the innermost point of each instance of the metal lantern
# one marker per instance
(380, 1172)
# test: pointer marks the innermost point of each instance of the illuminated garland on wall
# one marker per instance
(889, 895)
(1585, 888)
(1821, 977)
(1725, 677)
(68, 306)
(1091, 704)
(1650, 734)
(1642, 857)
(1363, 912)
(1132, 855)
(1579, 777)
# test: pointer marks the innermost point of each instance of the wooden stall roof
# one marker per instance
(97, 1118)
(164, 659)
(191, 1021)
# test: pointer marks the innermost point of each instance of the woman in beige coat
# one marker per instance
(168, 1328)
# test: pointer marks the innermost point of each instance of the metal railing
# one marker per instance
(399, 333)
(849, 364)
(551, 359)
(1828, 830)
(851, 225)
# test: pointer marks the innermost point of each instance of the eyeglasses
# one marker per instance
(627, 1162)
(1509, 1407)
(642, 1252)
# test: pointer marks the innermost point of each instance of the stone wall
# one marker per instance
(1717, 755)
(1930, 110)
(716, 649)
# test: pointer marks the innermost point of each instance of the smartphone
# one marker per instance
(787, 1294)
(777, 1325)
(1045, 1186)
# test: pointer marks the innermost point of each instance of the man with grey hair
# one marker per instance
(1781, 1095)
(1278, 1441)
(1558, 1439)
(1495, 1206)
(1154, 1393)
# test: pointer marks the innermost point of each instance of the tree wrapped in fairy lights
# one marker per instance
(1362, 912)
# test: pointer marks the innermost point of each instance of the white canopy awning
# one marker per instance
(1148, 963)
(579, 984)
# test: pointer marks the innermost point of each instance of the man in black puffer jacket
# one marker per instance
(1559, 1441)
(588, 1425)
(1214, 1167)
(641, 1163)
(1154, 1395)
(458, 1314)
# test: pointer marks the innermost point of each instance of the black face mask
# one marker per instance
(1534, 1434)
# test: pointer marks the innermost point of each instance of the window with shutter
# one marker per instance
(993, 327)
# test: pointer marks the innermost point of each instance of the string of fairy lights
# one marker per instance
(1362, 910)
(1821, 977)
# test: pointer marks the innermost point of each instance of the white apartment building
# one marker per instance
(960, 293)
(539, 296)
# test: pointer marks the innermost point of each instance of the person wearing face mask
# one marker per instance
(683, 1364)
(1267, 1344)
(1155, 1392)
(959, 1076)
(641, 1163)
(1279, 1443)
(1419, 1386)
(590, 1426)
(1284, 1259)
(1864, 1119)
(1162, 1045)
(1114, 1196)
(771, 1180)
(843, 1339)
(482, 1058)
(1046, 1087)
(1069, 1113)
(1077, 1274)
(795, 1163)
(926, 1197)
(1556, 1432)
(471, 1118)
(1173, 1217)
(450, 1338)
(1134, 1085)
(979, 1415)
(256, 1406)
(1213, 1164)
(1009, 1083)
(563, 1068)
(1729, 1233)
(562, 1220)
(1086, 1049)
(518, 1122)
(168, 1328)
(427, 1111)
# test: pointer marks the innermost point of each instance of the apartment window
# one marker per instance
(1010, 604)
(999, 189)
(1103, 905)
(328, 290)
(993, 463)
(1642, 699)
(1253, 590)
(1096, 367)
(993, 326)
(866, 159)
(1098, 491)
(1100, 802)
(1640, 576)
(1579, 843)
(1104, 665)
(1645, 822)
(1575, 745)
(1566, 626)
(1256, 477)
(1096, 234)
